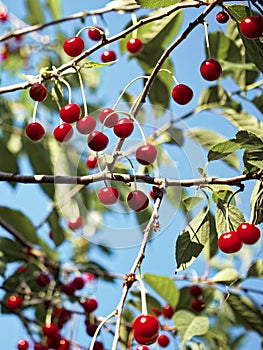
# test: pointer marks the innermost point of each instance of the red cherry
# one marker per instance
(40, 346)
(95, 33)
(70, 113)
(43, 280)
(98, 346)
(62, 315)
(91, 329)
(222, 17)
(73, 46)
(78, 282)
(14, 302)
(90, 305)
(75, 223)
(38, 92)
(251, 27)
(35, 131)
(108, 56)
(195, 291)
(68, 288)
(156, 311)
(108, 117)
(86, 125)
(63, 132)
(168, 311)
(123, 128)
(248, 233)
(108, 195)
(210, 69)
(228, 242)
(54, 341)
(163, 340)
(23, 344)
(3, 15)
(137, 200)
(146, 154)
(97, 141)
(50, 330)
(146, 329)
(197, 305)
(134, 45)
(142, 347)
(64, 345)
(91, 162)
(182, 94)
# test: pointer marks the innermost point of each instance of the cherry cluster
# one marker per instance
(232, 241)
(198, 303)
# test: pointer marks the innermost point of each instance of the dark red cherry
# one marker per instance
(68, 288)
(63, 132)
(248, 233)
(73, 46)
(90, 305)
(54, 342)
(64, 344)
(40, 346)
(14, 302)
(95, 33)
(38, 92)
(134, 45)
(91, 162)
(210, 69)
(146, 154)
(168, 311)
(182, 94)
(35, 131)
(197, 305)
(229, 242)
(163, 340)
(222, 17)
(108, 56)
(196, 291)
(50, 330)
(108, 117)
(108, 195)
(98, 346)
(123, 128)
(146, 329)
(97, 141)
(23, 344)
(252, 27)
(70, 113)
(86, 125)
(78, 282)
(137, 200)
(91, 329)
(43, 280)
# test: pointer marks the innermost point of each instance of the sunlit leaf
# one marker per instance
(35, 12)
(156, 3)
(12, 250)
(256, 269)
(55, 8)
(226, 275)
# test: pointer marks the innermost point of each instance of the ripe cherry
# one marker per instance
(61, 315)
(252, 27)
(63, 132)
(75, 223)
(14, 302)
(146, 154)
(222, 17)
(38, 92)
(182, 94)
(137, 200)
(108, 56)
(146, 329)
(73, 46)
(23, 344)
(35, 131)
(108, 195)
(98, 346)
(197, 305)
(78, 282)
(91, 162)
(97, 141)
(50, 330)
(163, 340)
(196, 291)
(108, 117)
(229, 242)
(43, 280)
(95, 33)
(40, 346)
(123, 128)
(142, 347)
(64, 344)
(210, 69)
(86, 125)
(70, 113)
(90, 305)
(168, 311)
(91, 329)
(3, 15)
(134, 45)
(54, 341)
(68, 288)
(248, 233)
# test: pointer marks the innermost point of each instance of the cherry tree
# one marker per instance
(117, 164)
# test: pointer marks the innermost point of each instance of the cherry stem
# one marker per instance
(127, 86)
(94, 20)
(69, 89)
(227, 207)
(254, 205)
(35, 112)
(105, 319)
(83, 93)
(134, 22)
(207, 39)
(100, 169)
(169, 72)
(143, 293)
(140, 129)
(133, 171)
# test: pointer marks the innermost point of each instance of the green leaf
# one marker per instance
(256, 269)
(55, 8)
(244, 121)
(258, 102)
(235, 217)
(58, 234)
(8, 160)
(154, 4)
(190, 202)
(17, 220)
(35, 12)
(174, 136)
(246, 313)
(226, 275)
(12, 250)
(164, 286)
(189, 325)
(208, 139)
(151, 302)
(253, 161)
(258, 206)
